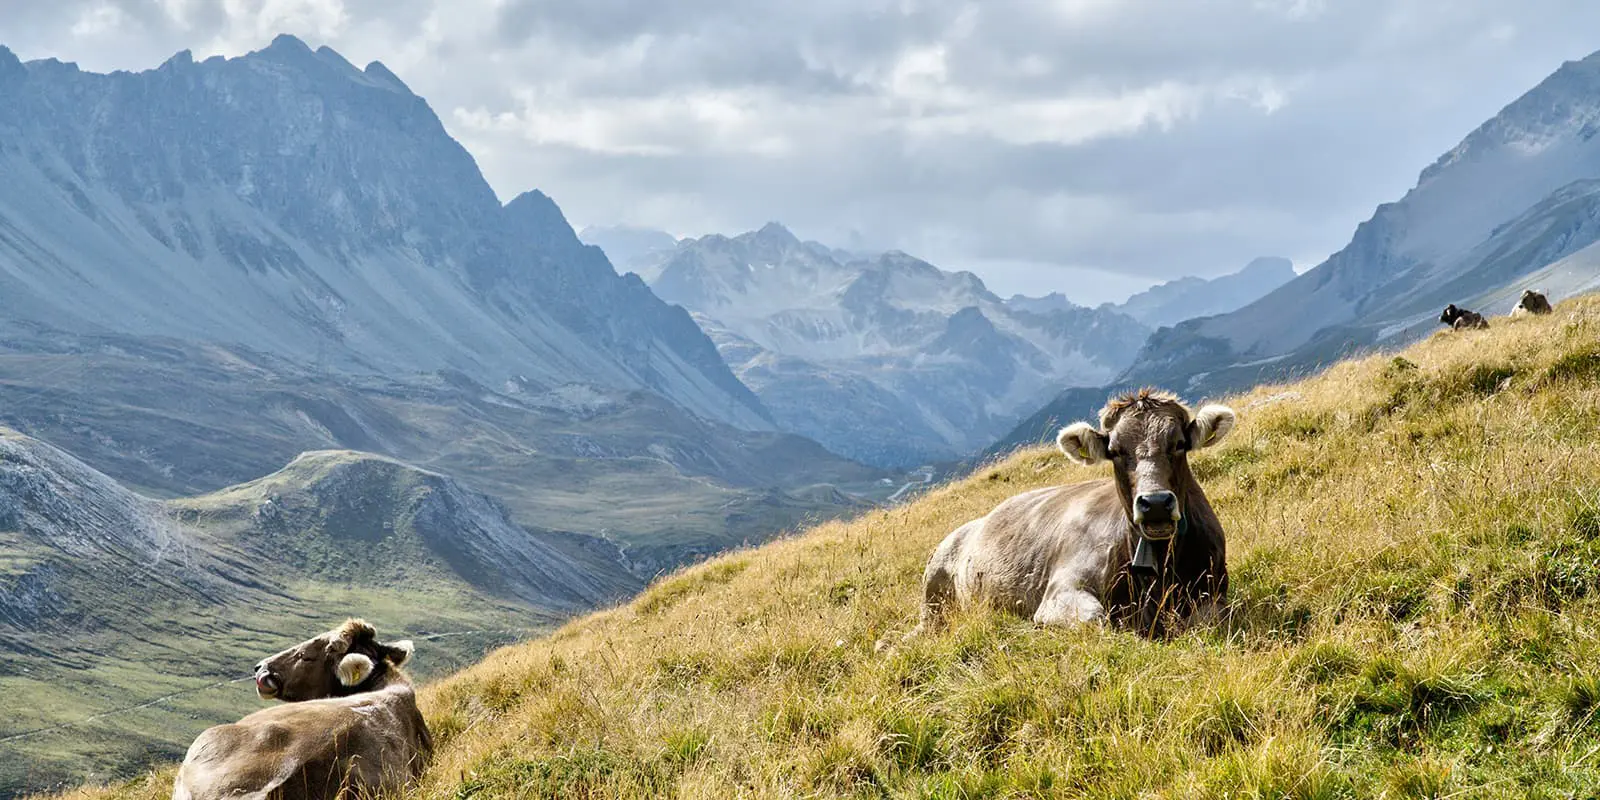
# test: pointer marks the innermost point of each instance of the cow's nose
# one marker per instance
(1156, 507)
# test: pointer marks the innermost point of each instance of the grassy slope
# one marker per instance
(1415, 547)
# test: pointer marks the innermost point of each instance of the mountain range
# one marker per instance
(289, 202)
(887, 359)
(1514, 206)
(287, 234)
(210, 269)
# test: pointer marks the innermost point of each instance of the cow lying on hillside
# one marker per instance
(1461, 319)
(1532, 302)
(350, 725)
(1140, 548)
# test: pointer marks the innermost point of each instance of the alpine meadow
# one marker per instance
(1414, 549)
(704, 399)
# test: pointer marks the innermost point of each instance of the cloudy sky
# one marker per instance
(1084, 146)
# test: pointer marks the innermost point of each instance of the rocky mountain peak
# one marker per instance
(775, 233)
(378, 72)
(10, 66)
(179, 60)
(769, 244)
(1269, 267)
(296, 202)
(535, 216)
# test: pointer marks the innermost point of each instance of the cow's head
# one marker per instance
(343, 661)
(1147, 436)
(1450, 314)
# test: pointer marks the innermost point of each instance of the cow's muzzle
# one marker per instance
(1157, 515)
(268, 685)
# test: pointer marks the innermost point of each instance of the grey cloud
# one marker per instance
(1272, 127)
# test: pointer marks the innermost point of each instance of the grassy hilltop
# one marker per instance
(1415, 550)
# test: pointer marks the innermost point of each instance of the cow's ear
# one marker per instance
(398, 653)
(1082, 443)
(354, 668)
(1211, 424)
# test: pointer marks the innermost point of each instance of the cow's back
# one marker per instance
(308, 749)
(1008, 557)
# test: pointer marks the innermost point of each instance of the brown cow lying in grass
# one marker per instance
(1532, 302)
(1142, 548)
(351, 724)
(1461, 319)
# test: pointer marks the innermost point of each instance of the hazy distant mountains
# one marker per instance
(642, 251)
(1185, 298)
(1188, 298)
(886, 358)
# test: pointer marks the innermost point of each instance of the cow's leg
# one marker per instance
(939, 581)
(1066, 604)
(938, 592)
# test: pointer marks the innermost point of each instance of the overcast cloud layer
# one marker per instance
(1083, 146)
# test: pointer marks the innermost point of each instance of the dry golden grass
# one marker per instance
(1415, 550)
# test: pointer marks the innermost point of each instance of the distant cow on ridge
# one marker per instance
(1134, 549)
(1462, 319)
(350, 725)
(1532, 302)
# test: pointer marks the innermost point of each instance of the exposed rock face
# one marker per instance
(290, 202)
